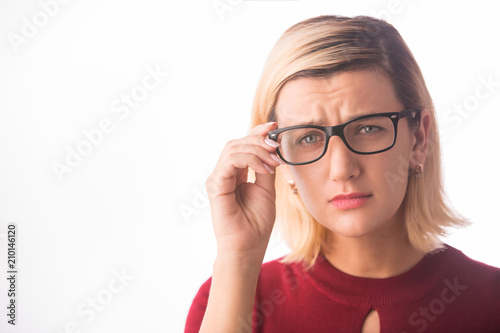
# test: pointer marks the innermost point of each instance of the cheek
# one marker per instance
(395, 166)
(306, 177)
(390, 172)
(310, 183)
(391, 177)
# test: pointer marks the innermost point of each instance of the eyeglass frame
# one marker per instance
(338, 130)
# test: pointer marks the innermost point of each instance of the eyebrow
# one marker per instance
(322, 122)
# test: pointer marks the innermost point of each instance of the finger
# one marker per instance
(254, 151)
(242, 177)
(253, 140)
(238, 151)
(225, 177)
(263, 129)
(254, 162)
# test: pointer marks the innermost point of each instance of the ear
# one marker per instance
(421, 139)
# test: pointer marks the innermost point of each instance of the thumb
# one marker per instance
(265, 181)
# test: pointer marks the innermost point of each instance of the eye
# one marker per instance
(309, 139)
(305, 137)
(370, 129)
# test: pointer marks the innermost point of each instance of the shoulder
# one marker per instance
(477, 282)
(276, 279)
(279, 280)
(273, 272)
(473, 270)
(280, 273)
(198, 307)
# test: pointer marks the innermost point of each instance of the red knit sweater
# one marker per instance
(445, 292)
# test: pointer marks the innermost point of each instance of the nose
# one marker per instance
(343, 162)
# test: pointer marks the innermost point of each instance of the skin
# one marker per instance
(367, 241)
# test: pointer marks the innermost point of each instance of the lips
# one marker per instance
(350, 200)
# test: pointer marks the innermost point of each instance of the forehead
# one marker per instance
(336, 99)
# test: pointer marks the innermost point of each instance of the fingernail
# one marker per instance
(268, 168)
(272, 143)
(270, 123)
(277, 159)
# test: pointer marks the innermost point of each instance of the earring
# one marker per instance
(419, 170)
(293, 186)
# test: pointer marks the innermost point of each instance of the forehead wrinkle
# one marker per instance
(335, 100)
(316, 114)
(319, 104)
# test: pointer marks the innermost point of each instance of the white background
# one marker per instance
(119, 209)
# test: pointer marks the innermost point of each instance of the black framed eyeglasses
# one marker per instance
(369, 134)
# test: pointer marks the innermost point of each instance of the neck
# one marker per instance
(379, 255)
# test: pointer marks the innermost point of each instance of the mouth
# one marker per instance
(350, 200)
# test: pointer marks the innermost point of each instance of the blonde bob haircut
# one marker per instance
(327, 45)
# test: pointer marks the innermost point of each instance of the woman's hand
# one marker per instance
(243, 213)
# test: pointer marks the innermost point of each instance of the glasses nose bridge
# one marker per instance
(333, 131)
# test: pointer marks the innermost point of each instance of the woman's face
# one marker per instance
(380, 178)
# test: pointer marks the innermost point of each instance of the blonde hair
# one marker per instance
(321, 47)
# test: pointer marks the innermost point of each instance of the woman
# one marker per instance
(345, 142)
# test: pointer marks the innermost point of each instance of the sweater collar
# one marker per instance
(404, 288)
